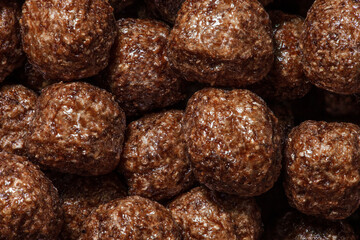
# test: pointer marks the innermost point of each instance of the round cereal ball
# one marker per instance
(222, 43)
(233, 140)
(131, 218)
(81, 195)
(297, 226)
(77, 128)
(30, 207)
(68, 39)
(139, 74)
(154, 160)
(17, 108)
(330, 43)
(11, 55)
(322, 169)
(204, 214)
(164, 9)
(286, 79)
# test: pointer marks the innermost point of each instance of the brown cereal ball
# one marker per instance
(17, 104)
(297, 226)
(29, 204)
(322, 169)
(286, 79)
(154, 160)
(81, 195)
(204, 214)
(222, 43)
(77, 128)
(68, 39)
(330, 43)
(11, 55)
(139, 73)
(165, 9)
(131, 218)
(233, 141)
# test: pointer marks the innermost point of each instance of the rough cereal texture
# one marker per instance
(233, 141)
(222, 43)
(29, 204)
(154, 160)
(81, 195)
(322, 169)
(296, 226)
(139, 73)
(68, 39)
(286, 79)
(204, 214)
(165, 9)
(17, 104)
(11, 55)
(131, 218)
(330, 43)
(77, 128)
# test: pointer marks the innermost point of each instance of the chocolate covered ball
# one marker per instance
(30, 207)
(11, 55)
(297, 226)
(204, 214)
(17, 108)
(154, 160)
(222, 43)
(77, 128)
(131, 218)
(81, 195)
(286, 79)
(68, 39)
(330, 43)
(164, 9)
(139, 73)
(233, 140)
(322, 169)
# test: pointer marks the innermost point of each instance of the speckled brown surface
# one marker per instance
(222, 43)
(81, 195)
(286, 79)
(131, 218)
(11, 55)
(204, 214)
(68, 39)
(322, 176)
(296, 226)
(139, 73)
(330, 43)
(154, 160)
(233, 141)
(29, 203)
(78, 128)
(164, 9)
(17, 104)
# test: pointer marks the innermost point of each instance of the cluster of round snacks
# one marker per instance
(179, 119)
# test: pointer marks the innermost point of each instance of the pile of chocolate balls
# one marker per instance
(179, 119)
